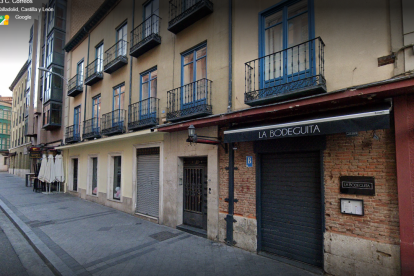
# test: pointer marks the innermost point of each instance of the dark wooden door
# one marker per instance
(195, 192)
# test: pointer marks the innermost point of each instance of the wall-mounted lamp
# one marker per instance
(194, 138)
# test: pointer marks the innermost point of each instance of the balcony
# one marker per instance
(94, 72)
(143, 114)
(184, 13)
(72, 134)
(113, 122)
(295, 72)
(75, 86)
(115, 57)
(189, 101)
(146, 36)
(52, 115)
(91, 129)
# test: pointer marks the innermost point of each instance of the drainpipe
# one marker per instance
(86, 87)
(229, 218)
(131, 58)
(229, 107)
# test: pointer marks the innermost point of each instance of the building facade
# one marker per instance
(301, 113)
(5, 123)
(19, 163)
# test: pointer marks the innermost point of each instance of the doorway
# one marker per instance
(195, 192)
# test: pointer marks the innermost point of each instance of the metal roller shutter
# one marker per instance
(291, 220)
(148, 171)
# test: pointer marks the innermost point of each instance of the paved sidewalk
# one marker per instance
(79, 237)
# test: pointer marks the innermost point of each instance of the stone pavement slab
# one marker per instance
(79, 237)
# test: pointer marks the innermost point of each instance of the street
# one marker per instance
(79, 237)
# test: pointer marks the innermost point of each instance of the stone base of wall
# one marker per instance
(124, 206)
(244, 232)
(19, 172)
(346, 255)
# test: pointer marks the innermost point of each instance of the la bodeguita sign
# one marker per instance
(290, 131)
(357, 185)
(317, 127)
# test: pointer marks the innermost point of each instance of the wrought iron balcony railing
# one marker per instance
(143, 114)
(190, 100)
(91, 129)
(94, 72)
(293, 72)
(146, 36)
(113, 122)
(72, 134)
(75, 86)
(184, 13)
(115, 57)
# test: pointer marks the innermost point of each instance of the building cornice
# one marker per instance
(90, 24)
(19, 75)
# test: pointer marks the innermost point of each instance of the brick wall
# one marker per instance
(363, 156)
(80, 12)
(244, 181)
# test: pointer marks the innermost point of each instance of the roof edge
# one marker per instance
(19, 75)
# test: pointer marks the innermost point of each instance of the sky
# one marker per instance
(14, 48)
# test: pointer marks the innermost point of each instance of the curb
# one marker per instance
(54, 263)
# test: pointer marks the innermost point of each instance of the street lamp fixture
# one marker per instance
(194, 138)
(53, 73)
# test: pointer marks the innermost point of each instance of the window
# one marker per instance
(117, 178)
(149, 84)
(96, 110)
(75, 170)
(51, 14)
(152, 25)
(94, 175)
(282, 28)
(76, 121)
(99, 57)
(194, 68)
(119, 94)
(79, 72)
(148, 90)
(121, 34)
(49, 50)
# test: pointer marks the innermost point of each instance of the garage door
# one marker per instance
(148, 171)
(291, 221)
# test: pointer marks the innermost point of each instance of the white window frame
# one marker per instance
(110, 184)
(90, 172)
(70, 178)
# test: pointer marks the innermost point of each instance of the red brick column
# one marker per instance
(404, 144)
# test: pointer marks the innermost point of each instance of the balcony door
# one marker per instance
(96, 111)
(148, 102)
(79, 72)
(76, 121)
(122, 38)
(118, 106)
(99, 58)
(151, 22)
(194, 77)
(285, 49)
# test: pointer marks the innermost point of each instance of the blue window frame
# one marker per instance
(193, 77)
(148, 82)
(76, 121)
(284, 34)
(96, 110)
(118, 105)
(151, 26)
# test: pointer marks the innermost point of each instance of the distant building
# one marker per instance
(5, 118)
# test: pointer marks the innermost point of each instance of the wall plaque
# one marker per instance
(352, 206)
(357, 185)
